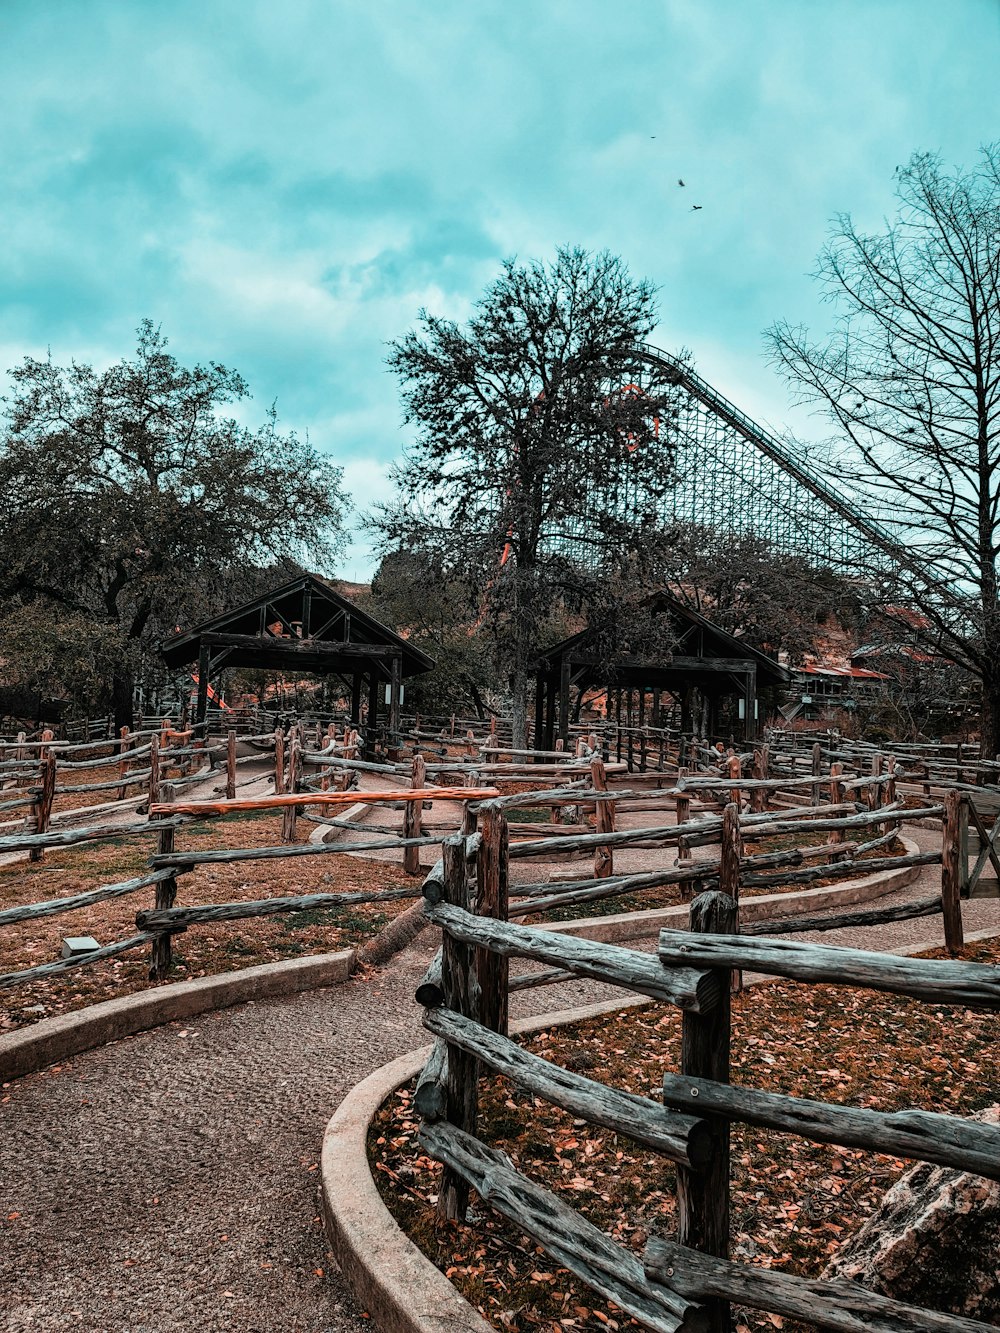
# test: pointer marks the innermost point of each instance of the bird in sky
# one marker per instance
(680, 182)
(695, 208)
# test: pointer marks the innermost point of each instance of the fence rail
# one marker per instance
(686, 1285)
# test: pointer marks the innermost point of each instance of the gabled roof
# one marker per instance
(708, 642)
(304, 622)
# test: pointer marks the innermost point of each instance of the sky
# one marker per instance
(282, 187)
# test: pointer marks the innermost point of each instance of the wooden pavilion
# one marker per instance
(703, 660)
(304, 626)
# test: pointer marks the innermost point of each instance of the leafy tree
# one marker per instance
(533, 440)
(910, 375)
(133, 505)
(438, 612)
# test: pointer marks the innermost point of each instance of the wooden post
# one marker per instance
(564, 678)
(123, 745)
(734, 771)
(166, 894)
(683, 803)
(758, 796)
(154, 771)
(413, 816)
(492, 875)
(395, 690)
(204, 666)
(291, 812)
(890, 791)
(817, 768)
(836, 797)
(41, 810)
(953, 871)
(458, 985)
(873, 796)
(641, 719)
(604, 820)
(231, 765)
(729, 869)
(703, 1196)
(732, 850)
(371, 724)
(279, 761)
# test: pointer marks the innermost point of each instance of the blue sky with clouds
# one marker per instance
(283, 186)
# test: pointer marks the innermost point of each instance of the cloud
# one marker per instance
(283, 188)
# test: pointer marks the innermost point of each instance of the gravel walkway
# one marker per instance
(169, 1181)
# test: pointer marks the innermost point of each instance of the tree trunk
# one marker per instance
(519, 706)
(989, 716)
(122, 683)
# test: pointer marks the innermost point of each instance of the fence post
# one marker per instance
(874, 793)
(703, 1195)
(492, 880)
(683, 804)
(43, 796)
(890, 792)
(231, 765)
(836, 797)
(817, 769)
(604, 821)
(459, 990)
(279, 761)
(166, 893)
(729, 870)
(413, 816)
(758, 795)
(154, 771)
(954, 868)
(291, 812)
(123, 745)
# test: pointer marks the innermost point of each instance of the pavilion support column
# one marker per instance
(373, 683)
(687, 717)
(750, 704)
(204, 666)
(395, 690)
(564, 675)
(356, 699)
(713, 716)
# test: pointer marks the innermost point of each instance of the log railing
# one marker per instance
(158, 924)
(688, 1282)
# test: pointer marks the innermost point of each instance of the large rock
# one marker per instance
(935, 1241)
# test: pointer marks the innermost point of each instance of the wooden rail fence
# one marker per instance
(686, 1283)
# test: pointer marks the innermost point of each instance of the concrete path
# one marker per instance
(168, 1182)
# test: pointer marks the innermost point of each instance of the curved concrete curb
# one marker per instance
(764, 907)
(392, 1279)
(55, 1039)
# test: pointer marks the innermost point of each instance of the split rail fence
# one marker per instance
(845, 821)
(685, 1283)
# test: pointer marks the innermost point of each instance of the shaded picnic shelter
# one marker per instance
(702, 660)
(304, 627)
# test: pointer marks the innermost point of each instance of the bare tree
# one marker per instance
(910, 374)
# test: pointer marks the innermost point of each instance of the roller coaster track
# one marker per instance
(675, 372)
